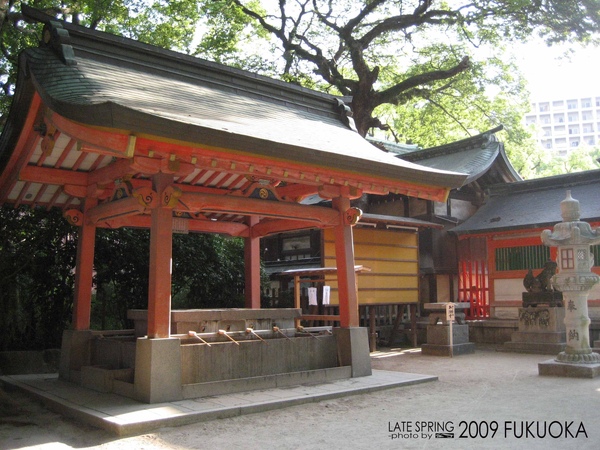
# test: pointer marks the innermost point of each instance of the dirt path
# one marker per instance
(475, 394)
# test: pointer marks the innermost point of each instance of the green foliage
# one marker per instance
(168, 24)
(492, 93)
(578, 159)
(208, 271)
(398, 52)
(121, 265)
(37, 256)
(432, 72)
(37, 262)
(224, 32)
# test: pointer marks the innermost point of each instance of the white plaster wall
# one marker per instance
(440, 209)
(462, 209)
(509, 312)
(508, 290)
(511, 289)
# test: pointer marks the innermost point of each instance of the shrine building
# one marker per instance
(117, 133)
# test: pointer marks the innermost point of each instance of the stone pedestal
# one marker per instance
(438, 340)
(74, 354)
(577, 360)
(550, 298)
(541, 330)
(158, 370)
(575, 260)
(552, 367)
(353, 350)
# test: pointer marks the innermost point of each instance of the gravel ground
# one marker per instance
(488, 399)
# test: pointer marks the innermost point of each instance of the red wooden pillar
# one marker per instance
(82, 304)
(161, 245)
(252, 267)
(344, 256)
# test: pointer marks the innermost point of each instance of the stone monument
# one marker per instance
(541, 318)
(447, 332)
(574, 279)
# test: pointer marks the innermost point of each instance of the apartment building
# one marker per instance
(565, 124)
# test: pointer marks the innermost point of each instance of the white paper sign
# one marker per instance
(326, 292)
(312, 296)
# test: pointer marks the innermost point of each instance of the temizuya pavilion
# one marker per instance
(118, 133)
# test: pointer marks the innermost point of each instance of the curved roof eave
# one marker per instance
(474, 156)
(100, 94)
(533, 203)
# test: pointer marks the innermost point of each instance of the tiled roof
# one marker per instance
(534, 203)
(473, 156)
(123, 84)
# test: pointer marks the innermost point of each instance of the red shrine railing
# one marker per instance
(473, 287)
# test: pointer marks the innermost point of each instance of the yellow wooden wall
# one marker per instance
(392, 256)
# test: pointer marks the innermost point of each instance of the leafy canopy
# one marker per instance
(168, 24)
(348, 43)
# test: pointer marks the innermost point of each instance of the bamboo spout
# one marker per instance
(251, 331)
(194, 334)
(224, 333)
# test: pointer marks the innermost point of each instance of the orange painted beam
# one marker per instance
(344, 257)
(182, 159)
(194, 225)
(23, 149)
(49, 175)
(252, 268)
(82, 303)
(179, 158)
(115, 170)
(205, 190)
(161, 249)
(109, 142)
(293, 172)
(118, 208)
(196, 202)
(170, 165)
(330, 191)
(296, 192)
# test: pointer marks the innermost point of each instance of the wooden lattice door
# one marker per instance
(473, 277)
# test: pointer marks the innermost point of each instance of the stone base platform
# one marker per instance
(438, 340)
(444, 350)
(126, 416)
(541, 330)
(558, 369)
(548, 343)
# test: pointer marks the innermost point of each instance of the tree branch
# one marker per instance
(449, 114)
(402, 22)
(389, 95)
(325, 68)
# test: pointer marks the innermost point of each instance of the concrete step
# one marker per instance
(536, 337)
(197, 390)
(539, 348)
(104, 378)
(444, 350)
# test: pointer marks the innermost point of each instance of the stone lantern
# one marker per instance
(573, 239)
